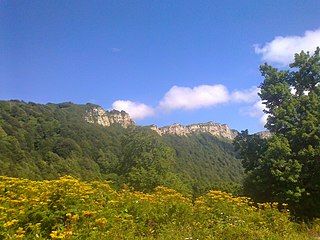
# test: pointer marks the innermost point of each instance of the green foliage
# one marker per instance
(250, 148)
(206, 162)
(146, 162)
(48, 141)
(286, 168)
(64, 147)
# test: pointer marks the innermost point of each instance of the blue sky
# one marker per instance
(162, 61)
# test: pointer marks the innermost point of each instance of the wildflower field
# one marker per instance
(71, 209)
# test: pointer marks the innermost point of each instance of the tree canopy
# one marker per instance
(286, 166)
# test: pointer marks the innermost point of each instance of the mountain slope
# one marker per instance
(47, 141)
(205, 161)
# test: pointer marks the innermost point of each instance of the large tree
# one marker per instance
(287, 169)
(147, 162)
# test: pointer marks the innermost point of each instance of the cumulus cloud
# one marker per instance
(135, 110)
(282, 49)
(194, 98)
(248, 95)
(256, 111)
(202, 96)
(251, 96)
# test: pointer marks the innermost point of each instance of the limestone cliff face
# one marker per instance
(98, 115)
(106, 118)
(264, 134)
(219, 130)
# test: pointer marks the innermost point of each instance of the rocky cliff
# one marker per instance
(96, 114)
(264, 134)
(106, 118)
(219, 130)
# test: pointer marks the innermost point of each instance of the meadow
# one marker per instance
(68, 208)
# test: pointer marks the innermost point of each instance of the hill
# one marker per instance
(48, 141)
(205, 161)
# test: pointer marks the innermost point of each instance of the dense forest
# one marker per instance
(48, 141)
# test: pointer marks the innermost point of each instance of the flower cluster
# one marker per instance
(71, 209)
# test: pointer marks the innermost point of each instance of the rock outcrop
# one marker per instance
(106, 118)
(219, 130)
(98, 115)
(264, 134)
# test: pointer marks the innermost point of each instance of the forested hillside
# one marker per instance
(206, 162)
(48, 141)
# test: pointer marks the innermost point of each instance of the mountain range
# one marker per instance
(45, 141)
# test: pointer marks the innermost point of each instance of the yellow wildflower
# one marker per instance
(75, 217)
(57, 235)
(10, 223)
(101, 221)
(20, 233)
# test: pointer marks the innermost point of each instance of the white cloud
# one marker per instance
(135, 110)
(247, 95)
(282, 49)
(114, 50)
(194, 98)
(202, 96)
(263, 119)
(256, 111)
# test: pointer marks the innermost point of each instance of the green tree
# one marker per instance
(288, 169)
(250, 148)
(147, 161)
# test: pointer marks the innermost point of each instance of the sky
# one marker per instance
(164, 62)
